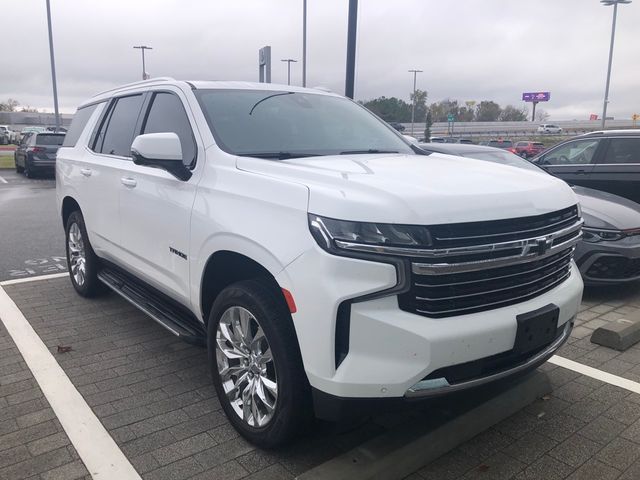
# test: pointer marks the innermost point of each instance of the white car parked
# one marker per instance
(326, 262)
(549, 128)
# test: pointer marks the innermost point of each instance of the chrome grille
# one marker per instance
(463, 277)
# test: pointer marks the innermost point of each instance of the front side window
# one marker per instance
(167, 114)
(281, 124)
(579, 152)
(121, 123)
(623, 150)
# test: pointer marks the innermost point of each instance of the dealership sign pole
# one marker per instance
(534, 98)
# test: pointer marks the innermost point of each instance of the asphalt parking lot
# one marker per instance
(30, 226)
(152, 393)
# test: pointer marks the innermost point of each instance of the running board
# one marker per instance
(172, 316)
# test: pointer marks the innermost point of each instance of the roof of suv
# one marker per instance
(202, 84)
(605, 133)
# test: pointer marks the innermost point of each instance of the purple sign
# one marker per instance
(536, 96)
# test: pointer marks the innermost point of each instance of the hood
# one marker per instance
(417, 189)
(606, 210)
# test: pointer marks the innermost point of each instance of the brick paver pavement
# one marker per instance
(153, 393)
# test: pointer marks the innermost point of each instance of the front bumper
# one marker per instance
(390, 350)
(604, 263)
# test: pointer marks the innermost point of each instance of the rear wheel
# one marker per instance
(82, 261)
(256, 364)
(19, 169)
(28, 169)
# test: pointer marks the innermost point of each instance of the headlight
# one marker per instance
(592, 235)
(385, 238)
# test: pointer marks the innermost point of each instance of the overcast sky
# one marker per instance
(468, 49)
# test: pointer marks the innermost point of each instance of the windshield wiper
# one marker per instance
(279, 155)
(371, 150)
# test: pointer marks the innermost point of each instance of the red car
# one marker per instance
(528, 149)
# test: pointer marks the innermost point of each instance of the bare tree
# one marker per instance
(9, 106)
(542, 115)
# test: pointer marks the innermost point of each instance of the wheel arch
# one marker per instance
(69, 205)
(225, 267)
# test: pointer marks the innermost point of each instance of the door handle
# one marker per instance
(581, 172)
(86, 172)
(129, 182)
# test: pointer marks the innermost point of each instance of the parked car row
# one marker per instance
(610, 248)
(9, 136)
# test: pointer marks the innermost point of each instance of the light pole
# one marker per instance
(352, 27)
(289, 60)
(413, 103)
(304, 43)
(145, 76)
(53, 69)
(608, 3)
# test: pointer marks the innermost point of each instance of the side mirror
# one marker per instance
(411, 140)
(161, 150)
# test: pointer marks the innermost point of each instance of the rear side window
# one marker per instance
(167, 115)
(120, 126)
(623, 150)
(78, 123)
(49, 139)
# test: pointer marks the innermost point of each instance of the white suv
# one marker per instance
(548, 128)
(326, 262)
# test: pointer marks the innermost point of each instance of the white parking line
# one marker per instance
(33, 279)
(98, 451)
(595, 373)
(2, 180)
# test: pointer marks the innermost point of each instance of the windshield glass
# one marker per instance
(281, 124)
(505, 158)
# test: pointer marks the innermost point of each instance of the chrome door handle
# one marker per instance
(128, 181)
(86, 172)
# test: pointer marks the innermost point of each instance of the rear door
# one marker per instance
(108, 155)
(155, 206)
(573, 161)
(618, 169)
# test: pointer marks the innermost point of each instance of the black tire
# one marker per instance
(293, 409)
(91, 286)
(28, 169)
(19, 169)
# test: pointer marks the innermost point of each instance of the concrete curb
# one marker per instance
(403, 450)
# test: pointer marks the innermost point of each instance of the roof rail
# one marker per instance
(135, 84)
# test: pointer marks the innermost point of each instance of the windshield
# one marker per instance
(505, 158)
(281, 124)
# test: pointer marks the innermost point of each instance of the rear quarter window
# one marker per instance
(78, 124)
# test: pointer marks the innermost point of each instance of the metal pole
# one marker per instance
(289, 60)
(413, 103)
(533, 115)
(351, 49)
(53, 69)
(144, 67)
(304, 43)
(606, 89)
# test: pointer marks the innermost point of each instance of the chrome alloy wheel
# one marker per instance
(246, 367)
(77, 257)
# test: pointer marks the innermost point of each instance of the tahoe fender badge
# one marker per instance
(178, 252)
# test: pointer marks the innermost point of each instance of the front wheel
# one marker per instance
(256, 364)
(82, 261)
